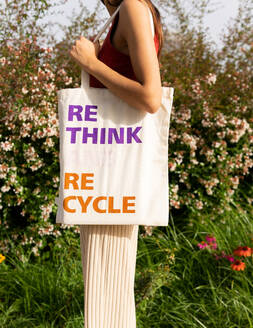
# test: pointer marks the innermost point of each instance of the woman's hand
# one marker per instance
(85, 52)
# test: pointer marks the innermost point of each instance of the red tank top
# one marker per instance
(115, 59)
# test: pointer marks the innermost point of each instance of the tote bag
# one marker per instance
(113, 158)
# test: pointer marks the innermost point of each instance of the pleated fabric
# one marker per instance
(108, 255)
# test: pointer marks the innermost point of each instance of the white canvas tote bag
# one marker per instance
(113, 158)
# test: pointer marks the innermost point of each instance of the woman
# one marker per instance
(128, 65)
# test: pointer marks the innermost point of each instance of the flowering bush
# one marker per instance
(29, 141)
(210, 151)
(30, 76)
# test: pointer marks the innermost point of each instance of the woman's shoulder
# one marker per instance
(133, 8)
(133, 2)
(129, 10)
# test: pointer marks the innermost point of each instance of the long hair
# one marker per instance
(157, 21)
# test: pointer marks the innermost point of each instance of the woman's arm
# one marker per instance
(135, 28)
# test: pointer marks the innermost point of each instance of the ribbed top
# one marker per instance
(115, 59)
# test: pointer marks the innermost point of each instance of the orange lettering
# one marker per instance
(84, 180)
(110, 206)
(126, 204)
(65, 204)
(67, 180)
(95, 204)
(84, 204)
(86, 201)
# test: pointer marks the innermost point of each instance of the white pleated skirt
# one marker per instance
(108, 255)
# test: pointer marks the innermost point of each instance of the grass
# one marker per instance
(177, 285)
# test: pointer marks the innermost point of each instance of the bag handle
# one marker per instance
(84, 75)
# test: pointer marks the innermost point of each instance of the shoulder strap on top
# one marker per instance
(85, 77)
(152, 22)
(106, 24)
(110, 19)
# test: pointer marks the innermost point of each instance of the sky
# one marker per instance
(216, 21)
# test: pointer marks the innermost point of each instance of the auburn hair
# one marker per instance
(156, 18)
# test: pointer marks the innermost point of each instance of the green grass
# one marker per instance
(42, 294)
(177, 284)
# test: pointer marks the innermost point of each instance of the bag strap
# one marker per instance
(84, 75)
(106, 24)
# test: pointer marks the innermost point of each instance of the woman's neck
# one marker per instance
(111, 9)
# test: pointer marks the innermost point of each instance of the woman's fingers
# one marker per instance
(85, 52)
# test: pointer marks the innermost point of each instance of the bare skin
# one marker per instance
(134, 38)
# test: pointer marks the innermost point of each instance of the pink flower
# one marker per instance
(213, 245)
(210, 239)
(230, 258)
(211, 78)
(202, 244)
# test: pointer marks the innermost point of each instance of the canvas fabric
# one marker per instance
(113, 158)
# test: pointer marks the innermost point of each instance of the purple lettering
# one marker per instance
(102, 136)
(77, 114)
(133, 135)
(73, 134)
(114, 135)
(93, 135)
(113, 131)
(88, 113)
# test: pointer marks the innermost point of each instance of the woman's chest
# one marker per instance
(118, 42)
(115, 40)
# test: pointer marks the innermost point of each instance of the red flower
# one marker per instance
(238, 265)
(243, 251)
